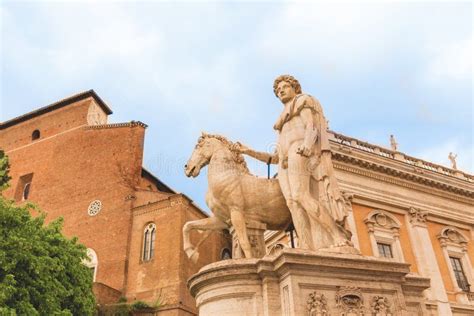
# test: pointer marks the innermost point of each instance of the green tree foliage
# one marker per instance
(4, 169)
(40, 270)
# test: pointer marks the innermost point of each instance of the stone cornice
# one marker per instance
(170, 202)
(391, 169)
(367, 173)
(117, 125)
(348, 144)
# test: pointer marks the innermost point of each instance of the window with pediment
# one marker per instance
(454, 246)
(384, 232)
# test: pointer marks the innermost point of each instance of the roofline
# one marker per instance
(417, 161)
(194, 204)
(57, 105)
(159, 184)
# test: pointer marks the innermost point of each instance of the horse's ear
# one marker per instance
(203, 134)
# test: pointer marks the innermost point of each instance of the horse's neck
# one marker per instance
(222, 162)
(222, 158)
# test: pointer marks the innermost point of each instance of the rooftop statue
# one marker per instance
(452, 158)
(393, 143)
(305, 171)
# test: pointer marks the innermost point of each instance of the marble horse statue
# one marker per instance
(235, 196)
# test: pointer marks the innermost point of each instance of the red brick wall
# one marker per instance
(165, 276)
(75, 168)
(49, 124)
(72, 166)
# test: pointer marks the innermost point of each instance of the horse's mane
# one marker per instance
(237, 156)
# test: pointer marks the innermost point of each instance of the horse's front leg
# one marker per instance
(208, 224)
(238, 222)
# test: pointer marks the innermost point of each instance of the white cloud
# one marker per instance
(82, 39)
(336, 35)
(450, 61)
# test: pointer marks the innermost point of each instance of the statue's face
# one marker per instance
(285, 91)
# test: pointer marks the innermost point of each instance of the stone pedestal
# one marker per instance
(298, 282)
(255, 231)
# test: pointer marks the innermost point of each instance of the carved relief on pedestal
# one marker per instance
(417, 216)
(380, 306)
(317, 305)
(350, 302)
(275, 249)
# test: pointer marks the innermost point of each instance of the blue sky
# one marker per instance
(402, 68)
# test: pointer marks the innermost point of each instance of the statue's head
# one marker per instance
(286, 87)
(206, 146)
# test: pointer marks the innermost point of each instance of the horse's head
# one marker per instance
(202, 154)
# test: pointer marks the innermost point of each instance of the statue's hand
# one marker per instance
(238, 147)
(304, 150)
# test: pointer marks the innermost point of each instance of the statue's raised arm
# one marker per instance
(259, 155)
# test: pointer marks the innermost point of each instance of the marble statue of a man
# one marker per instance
(305, 170)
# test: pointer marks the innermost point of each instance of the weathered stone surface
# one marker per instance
(300, 282)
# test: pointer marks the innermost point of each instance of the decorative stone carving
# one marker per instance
(380, 306)
(275, 249)
(317, 305)
(417, 216)
(350, 302)
(292, 283)
(94, 208)
(348, 197)
(451, 236)
(382, 220)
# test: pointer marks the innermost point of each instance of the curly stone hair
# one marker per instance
(290, 79)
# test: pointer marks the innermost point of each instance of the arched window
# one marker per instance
(91, 262)
(226, 254)
(35, 135)
(26, 191)
(149, 236)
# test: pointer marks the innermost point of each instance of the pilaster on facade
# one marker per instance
(426, 259)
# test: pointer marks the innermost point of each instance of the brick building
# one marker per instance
(66, 158)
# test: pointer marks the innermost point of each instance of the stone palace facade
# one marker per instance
(408, 210)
